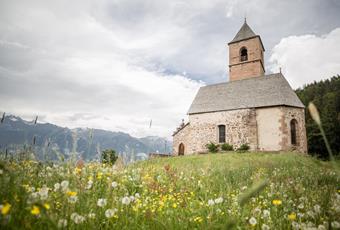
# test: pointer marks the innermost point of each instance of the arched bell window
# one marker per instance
(244, 54)
(293, 131)
(221, 133)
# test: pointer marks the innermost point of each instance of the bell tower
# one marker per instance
(246, 55)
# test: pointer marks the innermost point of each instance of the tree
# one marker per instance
(109, 156)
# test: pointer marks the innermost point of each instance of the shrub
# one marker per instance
(227, 147)
(109, 156)
(213, 148)
(243, 148)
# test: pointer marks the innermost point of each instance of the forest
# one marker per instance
(325, 95)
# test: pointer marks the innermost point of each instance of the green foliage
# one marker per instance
(212, 147)
(243, 148)
(109, 156)
(326, 97)
(227, 147)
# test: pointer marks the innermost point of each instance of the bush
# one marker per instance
(109, 156)
(213, 148)
(243, 148)
(227, 147)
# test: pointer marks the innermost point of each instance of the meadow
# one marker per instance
(211, 191)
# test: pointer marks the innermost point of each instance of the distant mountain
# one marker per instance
(50, 140)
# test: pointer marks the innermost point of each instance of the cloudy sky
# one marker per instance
(117, 64)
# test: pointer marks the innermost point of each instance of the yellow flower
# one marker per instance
(292, 216)
(47, 206)
(5, 209)
(277, 202)
(35, 210)
(174, 205)
(71, 193)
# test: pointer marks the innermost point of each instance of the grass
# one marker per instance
(291, 191)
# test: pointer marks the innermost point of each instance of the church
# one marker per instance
(253, 108)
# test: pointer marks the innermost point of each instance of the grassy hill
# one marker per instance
(190, 192)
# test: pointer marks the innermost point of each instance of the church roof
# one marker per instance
(245, 33)
(264, 91)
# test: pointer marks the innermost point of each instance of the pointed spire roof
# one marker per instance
(245, 33)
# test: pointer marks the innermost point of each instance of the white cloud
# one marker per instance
(307, 58)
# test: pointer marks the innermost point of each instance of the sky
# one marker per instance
(118, 64)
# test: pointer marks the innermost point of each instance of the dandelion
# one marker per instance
(114, 184)
(218, 200)
(137, 195)
(292, 216)
(64, 185)
(35, 210)
(1, 171)
(71, 193)
(257, 211)
(5, 208)
(252, 221)
(301, 206)
(89, 184)
(317, 208)
(77, 219)
(295, 225)
(266, 213)
(211, 202)
(198, 219)
(43, 193)
(62, 223)
(72, 199)
(174, 205)
(277, 202)
(321, 227)
(101, 202)
(109, 213)
(126, 200)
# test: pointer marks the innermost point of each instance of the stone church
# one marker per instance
(252, 108)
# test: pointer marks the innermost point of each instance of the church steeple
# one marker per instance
(246, 54)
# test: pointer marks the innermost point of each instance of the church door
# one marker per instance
(181, 149)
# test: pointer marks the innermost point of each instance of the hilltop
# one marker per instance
(189, 192)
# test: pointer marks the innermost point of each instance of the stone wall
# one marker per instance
(240, 128)
(264, 129)
(182, 136)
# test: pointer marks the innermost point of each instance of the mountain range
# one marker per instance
(49, 140)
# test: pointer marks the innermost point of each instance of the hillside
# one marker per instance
(17, 134)
(190, 192)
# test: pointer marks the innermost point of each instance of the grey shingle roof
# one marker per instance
(244, 33)
(269, 90)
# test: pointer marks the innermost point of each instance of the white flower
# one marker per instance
(317, 208)
(43, 193)
(218, 200)
(126, 200)
(257, 211)
(110, 212)
(321, 227)
(335, 224)
(77, 219)
(72, 199)
(211, 202)
(266, 213)
(91, 215)
(114, 184)
(295, 225)
(265, 227)
(252, 221)
(101, 202)
(301, 206)
(62, 223)
(89, 184)
(56, 187)
(64, 185)
(132, 198)
(1, 171)
(137, 195)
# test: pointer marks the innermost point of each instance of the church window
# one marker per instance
(221, 133)
(244, 54)
(181, 149)
(293, 131)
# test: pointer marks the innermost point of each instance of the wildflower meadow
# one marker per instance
(212, 191)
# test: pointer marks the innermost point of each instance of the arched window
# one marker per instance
(293, 131)
(244, 54)
(181, 149)
(221, 133)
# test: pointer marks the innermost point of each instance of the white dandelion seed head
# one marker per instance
(252, 221)
(218, 200)
(62, 223)
(109, 213)
(265, 227)
(114, 184)
(211, 202)
(101, 202)
(126, 200)
(72, 199)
